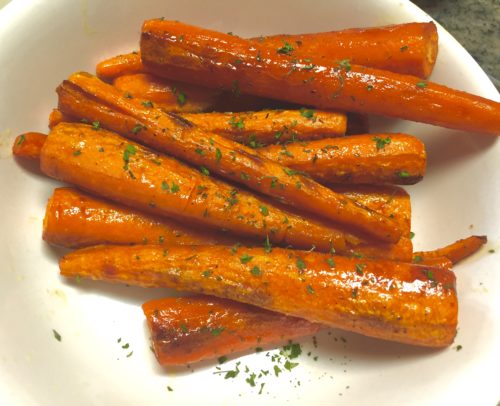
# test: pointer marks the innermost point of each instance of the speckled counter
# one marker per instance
(475, 24)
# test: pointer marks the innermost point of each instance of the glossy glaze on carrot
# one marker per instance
(172, 134)
(390, 300)
(207, 58)
(76, 219)
(185, 330)
(121, 170)
(405, 48)
(370, 158)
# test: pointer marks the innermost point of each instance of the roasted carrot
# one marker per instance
(168, 95)
(126, 64)
(270, 126)
(185, 330)
(373, 158)
(366, 159)
(125, 172)
(28, 145)
(213, 59)
(455, 252)
(179, 137)
(390, 300)
(260, 128)
(405, 48)
(76, 219)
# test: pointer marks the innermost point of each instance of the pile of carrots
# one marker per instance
(203, 163)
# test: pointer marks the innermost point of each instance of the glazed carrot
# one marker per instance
(213, 59)
(75, 219)
(126, 64)
(372, 158)
(179, 137)
(455, 252)
(28, 145)
(165, 94)
(270, 126)
(366, 159)
(260, 128)
(390, 300)
(106, 164)
(185, 330)
(405, 48)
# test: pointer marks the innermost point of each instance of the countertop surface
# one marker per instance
(475, 24)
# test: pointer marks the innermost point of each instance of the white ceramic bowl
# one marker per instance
(42, 43)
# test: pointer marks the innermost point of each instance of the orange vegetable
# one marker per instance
(373, 158)
(128, 173)
(28, 145)
(405, 48)
(213, 59)
(455, 252)
(179, 137)
(390, 300)
(185, 330)
(76, 219)
(258, 128)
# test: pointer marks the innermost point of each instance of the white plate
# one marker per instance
(45, 41)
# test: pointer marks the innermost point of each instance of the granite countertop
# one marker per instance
(475, 24)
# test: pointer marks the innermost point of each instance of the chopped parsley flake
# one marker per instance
(421, 85)
(310, 289)
(256, 271)
(147, 103)
(403, 174)
(345, 64)
(129, 150)
(57, 336)
(96, 125)
(245, 258)
(238, 124)
(137, 128)
(307, 113)
(204, 171)
(301, 264)
(360, 268)
(403, 48)
(381, 142)
(216, 331)
(264, 210)
(286, 49)
(330, 262)
(218, 155)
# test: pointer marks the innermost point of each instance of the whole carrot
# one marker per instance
(109, 165)
(390, 300)
(218, 60)
(211, 152)
(185, 330)
(75, 219)
(405, 48)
